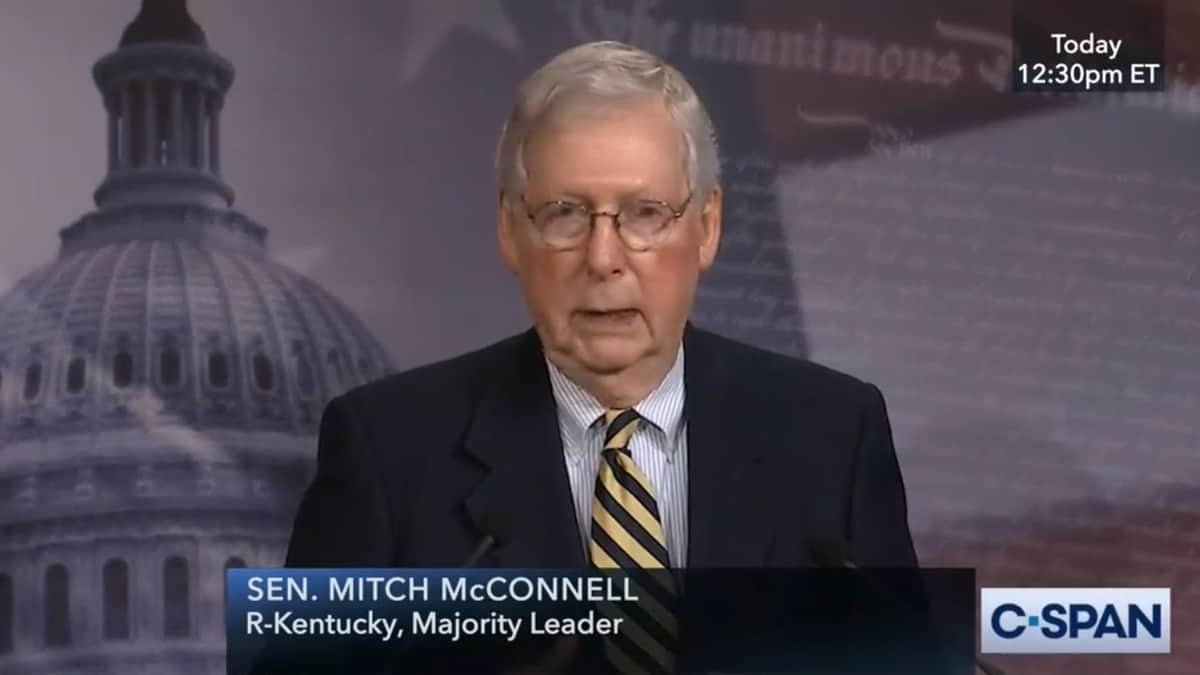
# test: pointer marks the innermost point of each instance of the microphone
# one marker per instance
(493, 527)
(835, 553)
(485, 544)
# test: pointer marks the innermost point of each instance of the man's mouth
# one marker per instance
(609, 314)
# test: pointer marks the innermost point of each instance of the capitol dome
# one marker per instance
(154, 328)
(161, 386)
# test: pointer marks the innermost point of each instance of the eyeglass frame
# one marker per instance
(676, 214)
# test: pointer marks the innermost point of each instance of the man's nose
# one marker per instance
(605, 250)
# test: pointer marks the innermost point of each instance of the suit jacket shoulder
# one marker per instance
(778, 383)
(822, 432)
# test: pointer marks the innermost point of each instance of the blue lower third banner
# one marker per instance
(829, 621)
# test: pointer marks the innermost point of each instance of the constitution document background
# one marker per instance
(1019, 274)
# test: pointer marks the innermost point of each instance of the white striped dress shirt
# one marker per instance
(659, 448)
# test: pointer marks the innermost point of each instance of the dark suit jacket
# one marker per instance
(413, 470)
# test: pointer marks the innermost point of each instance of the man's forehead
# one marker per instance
(637, 154)
(603, 154)
(580, 118)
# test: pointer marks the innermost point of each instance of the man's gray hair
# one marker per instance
(607, 73)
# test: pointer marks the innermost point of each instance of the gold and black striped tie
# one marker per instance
(627, 534)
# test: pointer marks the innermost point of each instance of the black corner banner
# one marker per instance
(1088, 45)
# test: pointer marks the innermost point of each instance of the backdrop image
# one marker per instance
(221, 214)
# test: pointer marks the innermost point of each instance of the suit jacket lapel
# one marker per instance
(523, 497)
(732, 497)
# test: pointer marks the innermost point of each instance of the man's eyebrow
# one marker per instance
(562, 197)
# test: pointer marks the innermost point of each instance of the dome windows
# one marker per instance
(58, 607)
(170, 367)
(302, 367)
(120, 363)
(6, 614)
(33, 381)
(168, 363)
(305, 381)
(264, 372)
(115, 611)
(73, 372)
(218, 370)
(334, 361)
(233, 562)
(76, 374)
(303, 370)
(177, 607)
(116, 599)
(122, 369)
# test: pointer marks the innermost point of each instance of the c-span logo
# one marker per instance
(1075, 620)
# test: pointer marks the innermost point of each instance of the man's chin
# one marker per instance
(610, 354)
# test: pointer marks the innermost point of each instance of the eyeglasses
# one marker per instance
(642, 224)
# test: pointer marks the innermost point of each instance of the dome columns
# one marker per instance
(170, 123)
(163, 103)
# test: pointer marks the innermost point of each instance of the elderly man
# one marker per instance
(613, 433)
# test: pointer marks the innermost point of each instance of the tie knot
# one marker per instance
(620, 425)
(612, 414)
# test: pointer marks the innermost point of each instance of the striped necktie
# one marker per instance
(627, 534)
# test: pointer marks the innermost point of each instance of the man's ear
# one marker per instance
(710, 227)
(506, 233)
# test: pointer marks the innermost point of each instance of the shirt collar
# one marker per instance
(578, 410)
